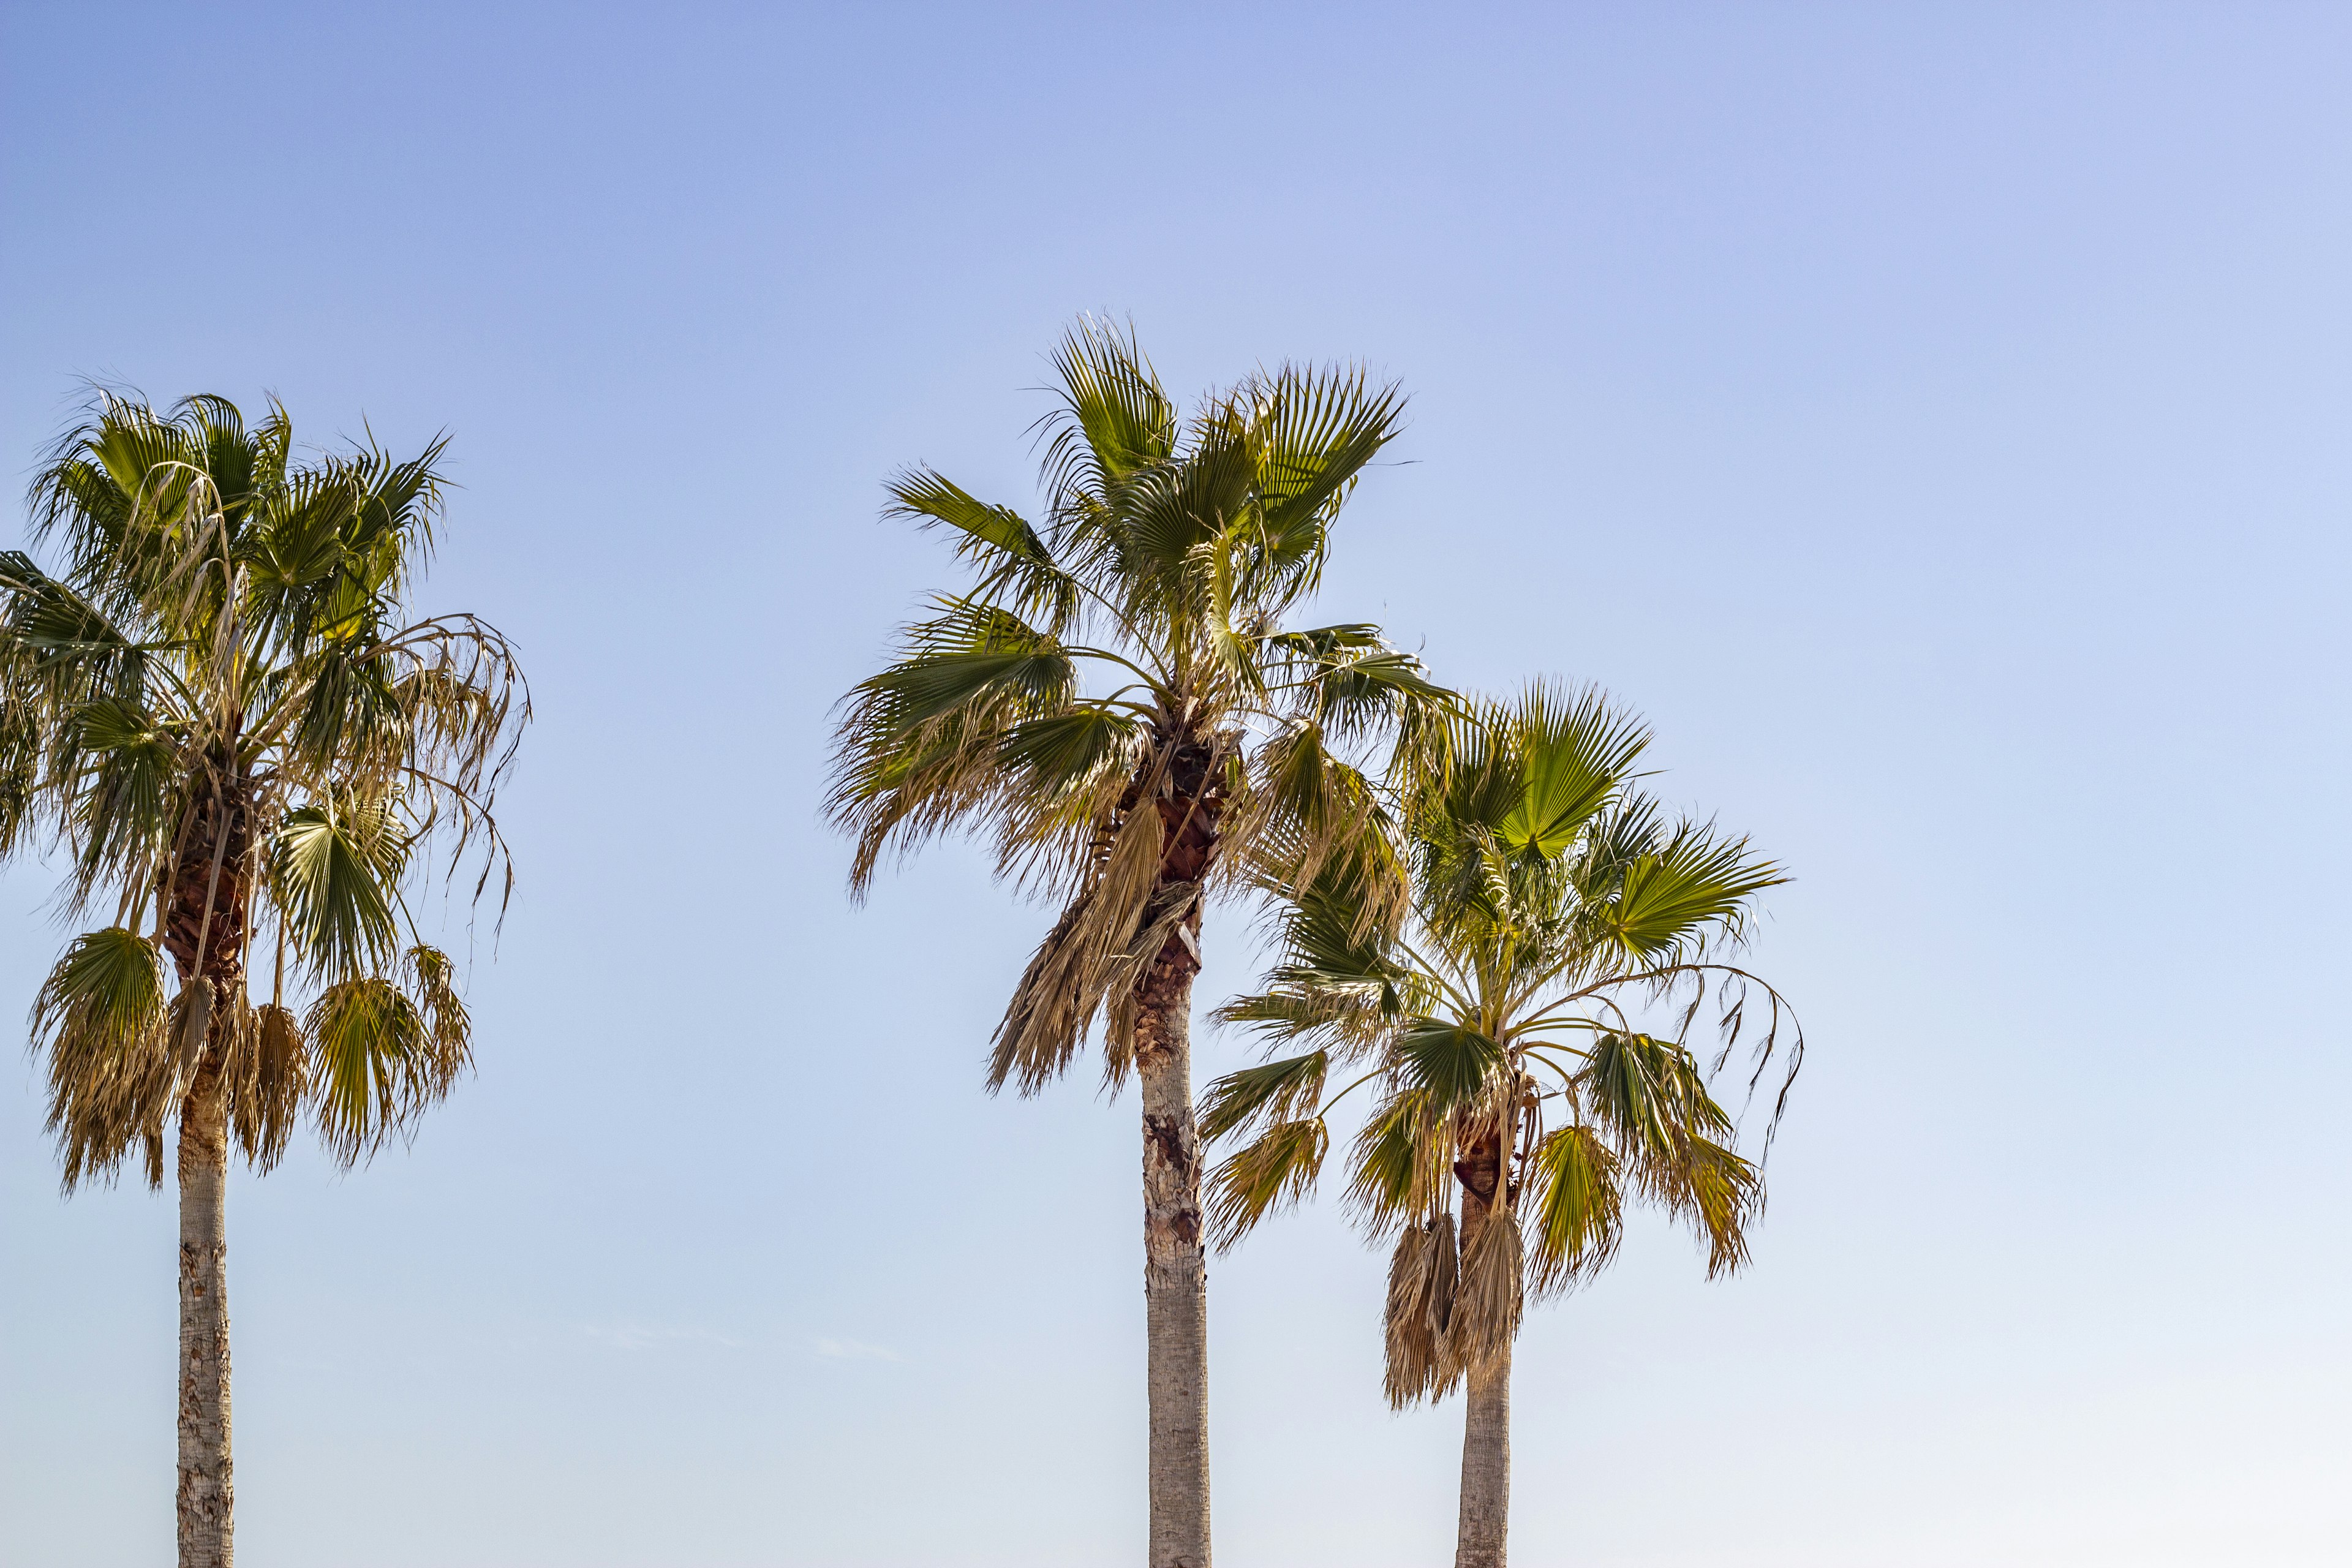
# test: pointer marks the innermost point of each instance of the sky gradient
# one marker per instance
(1932, 418)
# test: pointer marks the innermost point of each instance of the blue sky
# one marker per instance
(1932, 417)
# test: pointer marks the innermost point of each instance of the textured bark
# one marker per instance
(1486, 1516)
(1175, 1265)
(204, 923)
(205, 1491)
(216, 833)
(1175, 1270)
(1484, 1525)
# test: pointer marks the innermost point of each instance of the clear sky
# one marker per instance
(1933, 418)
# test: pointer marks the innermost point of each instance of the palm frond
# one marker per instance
(1492, 1296)
(1669, 899)
(1454, 1066)
(268, 1079)
(1319, 428)
(103, 1024)
(1281, 1090)
(336, 866)
(1399, 1164)
(1275, 1171)
(1114, 422)
(1017, 565)
(383, 1056)
(1574, 753)
(1423, 1278)
(1719, 1195)
(1573, 1199)
(1650, 1095)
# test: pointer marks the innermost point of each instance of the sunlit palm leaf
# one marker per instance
(103, 1022)
(1281, 1090)
(1270, 1174)
(1577, 1211)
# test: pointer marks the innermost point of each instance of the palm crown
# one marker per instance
(1552, 903)
(1172, 554)
(217, 710)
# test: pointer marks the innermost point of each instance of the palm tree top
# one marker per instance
(1119, 696)
(217, 706)
(1533, 1000)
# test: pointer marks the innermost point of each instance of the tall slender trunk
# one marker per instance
(204, 930)
(207, 1538)
(1483, 1528)
(1175, 1265)
(1175, 1272)
(1486, 1519)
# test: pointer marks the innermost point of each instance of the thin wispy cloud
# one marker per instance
(856, 1350)
(636, 1336)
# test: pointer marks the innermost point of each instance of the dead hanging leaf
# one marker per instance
(195, 1009)
(1421, 1280)
(1488, 1308)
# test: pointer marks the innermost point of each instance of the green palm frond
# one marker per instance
(1574, 754)
(1280, 1090)
(336, 867)
(1454, 1065)
(1576, 1208)
(1114, 422)
(102, 1021)
(1017, 565)
(1400, 1163)
(1321, 427)
(1651, 1097)
(383, 1056)
(1668, 899)
(1269, 1173)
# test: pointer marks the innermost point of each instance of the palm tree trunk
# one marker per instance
(207, 1537)
(1484, 1527)
(1175, 1267)
(1486, 1518)
(204, 930)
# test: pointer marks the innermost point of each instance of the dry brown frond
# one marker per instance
(1423, 1276)
(1493, 1294)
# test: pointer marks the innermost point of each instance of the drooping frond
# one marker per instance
(1492, 1296)
(1400, 1163)
(1424, 1277)
(268, 1082)
(103, 1022)
(383, 1054)
(1574, 1205)
(336, 868)
(1269, 1173)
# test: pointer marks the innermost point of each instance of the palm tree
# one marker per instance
(217, 712)
(1553, 905)
(1172, 555)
